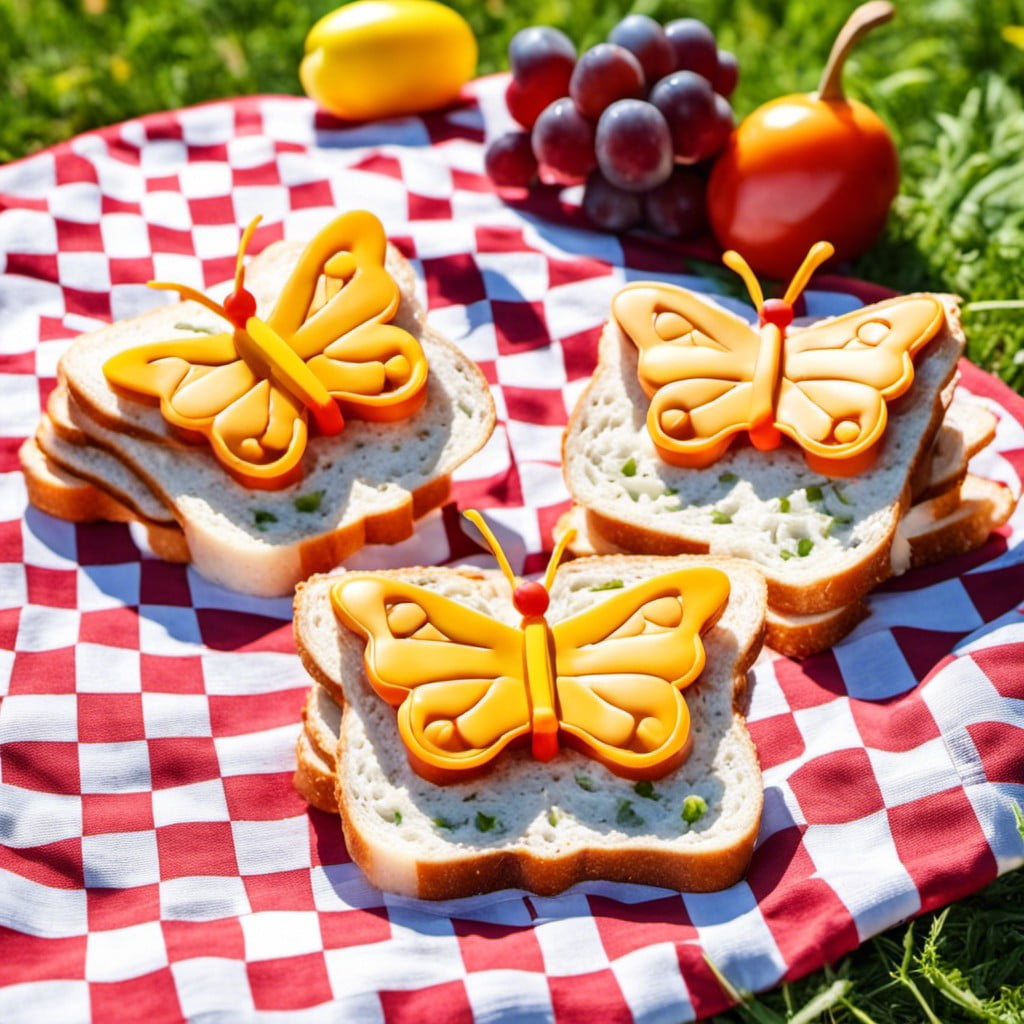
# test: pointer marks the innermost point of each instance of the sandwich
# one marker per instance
(324, 415)
(460, 764)
(829, 455)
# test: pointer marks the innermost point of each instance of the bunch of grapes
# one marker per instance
(634, 117)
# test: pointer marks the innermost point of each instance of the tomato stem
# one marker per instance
(862, 20)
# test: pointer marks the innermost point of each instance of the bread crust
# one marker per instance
(63, 494)
(828, 593)
(702, 871)
(802, 636)
(134, 500)
(967, 428)
(314, 779)
(56, 489)
(985, 506)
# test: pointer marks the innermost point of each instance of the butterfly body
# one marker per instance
(539, 671)
(606, 680)
(269, 358)
(710, 376)
(327, 348)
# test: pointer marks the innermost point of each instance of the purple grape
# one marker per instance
(563, 142)
(719, 129)
(603, 74)
(541, 52)
(509, 160)
(634, 145)
(646, 40)
(542, 59)
(694, 47)
(727, 75)
(611, 208)
(688, 104)
(525, 102)
(677, 208)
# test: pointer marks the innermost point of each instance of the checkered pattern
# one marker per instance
(155, 862)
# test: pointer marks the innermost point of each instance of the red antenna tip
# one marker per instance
(531, 598)
(239, 306)
(778, 312)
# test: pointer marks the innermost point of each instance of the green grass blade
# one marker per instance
(832, 996)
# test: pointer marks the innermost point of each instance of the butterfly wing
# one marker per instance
(839, 375)
(622, 664)
(205, 389)
(193, 379)
(696, 364)
(335, 310)
(444, 666)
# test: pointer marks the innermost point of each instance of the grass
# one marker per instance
(942, 76)
(960, 965)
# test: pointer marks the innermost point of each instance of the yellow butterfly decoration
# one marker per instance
(710, 376)
(326, 349)
(607, 680)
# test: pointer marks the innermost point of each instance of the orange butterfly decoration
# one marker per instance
(606, 681)
(326, 349)
(710, 376)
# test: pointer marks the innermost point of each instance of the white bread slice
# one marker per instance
(638, 502)
(67, 495)
(794, 635)
(58, 412)
(117, 493)
(934, 535)
(321, 723)
(105, 471)
(373, 480)
(315, 775)
(967, 428)
(64, 494)
(800, 636)
(549, 830)
(927, 534)
(316, 750)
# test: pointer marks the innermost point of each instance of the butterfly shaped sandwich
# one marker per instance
(479, 732)
(269, 429)
(832, 455)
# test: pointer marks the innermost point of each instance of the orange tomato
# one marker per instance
(805, 168)
(797, 170)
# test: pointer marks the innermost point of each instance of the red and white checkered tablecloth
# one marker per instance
(156, 864)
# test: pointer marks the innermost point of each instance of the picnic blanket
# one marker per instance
(156, 863)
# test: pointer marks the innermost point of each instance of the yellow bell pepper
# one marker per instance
(384, 58)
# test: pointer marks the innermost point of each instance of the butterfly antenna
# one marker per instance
(187, 293)
(233, 310)
(556, 557)
(736, 263)
(819, 253)
(242, 246)
(492, 542)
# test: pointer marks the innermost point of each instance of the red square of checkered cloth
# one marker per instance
(155, 862)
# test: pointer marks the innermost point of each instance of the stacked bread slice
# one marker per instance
(100, 455)
(823, 543)
(541, 825)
